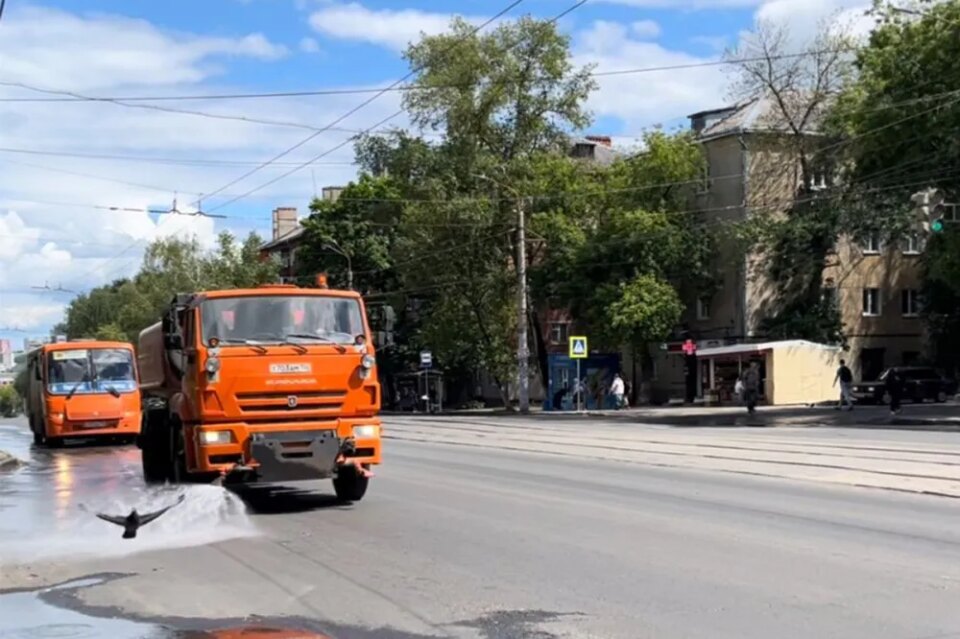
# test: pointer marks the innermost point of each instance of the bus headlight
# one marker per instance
(212, 365)
(366, 431)
(368, 361)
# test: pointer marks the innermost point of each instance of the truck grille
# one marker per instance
(292, 402)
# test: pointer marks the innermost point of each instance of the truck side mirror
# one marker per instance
(174, 342)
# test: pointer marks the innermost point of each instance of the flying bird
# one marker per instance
(134, 520)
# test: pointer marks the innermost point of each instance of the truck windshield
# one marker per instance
(94, 370)
(281, 318)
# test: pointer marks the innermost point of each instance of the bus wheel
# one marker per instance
(155, 447)
(349, 484)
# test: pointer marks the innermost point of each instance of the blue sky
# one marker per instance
(51, 229)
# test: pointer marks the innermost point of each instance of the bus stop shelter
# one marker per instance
(792, 371)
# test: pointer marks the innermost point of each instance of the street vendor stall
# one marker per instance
(792, 371)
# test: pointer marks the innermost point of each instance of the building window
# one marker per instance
(872, 244)
(871, 302)
(703, 308)
(559, 332)
(913, 244)
(910, 302)
(821, 178)
(582, 150)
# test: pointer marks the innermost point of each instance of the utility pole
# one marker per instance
(523, 352)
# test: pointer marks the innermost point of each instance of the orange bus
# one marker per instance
(82, 389)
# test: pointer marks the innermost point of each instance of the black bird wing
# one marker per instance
(146, 518)
(113, 519)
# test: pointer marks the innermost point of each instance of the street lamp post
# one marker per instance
(333, 246)
(523, 351)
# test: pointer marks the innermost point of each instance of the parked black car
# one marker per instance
(919, 384)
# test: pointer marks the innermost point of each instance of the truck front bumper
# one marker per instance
(287, 452)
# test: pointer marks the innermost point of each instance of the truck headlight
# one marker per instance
(212, 365)
(368, 361)
(216, 436)
(367, 431)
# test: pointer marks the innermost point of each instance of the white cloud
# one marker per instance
(49, 234)
(309, 45)
(645, 29)
(645, 99)
(392, 28)
(803, 18)
(683, 4)
(717, 43)
(74, 52)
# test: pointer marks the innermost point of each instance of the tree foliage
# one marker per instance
(902, 119)
(11, 403)
(120, 310)
(796, 224)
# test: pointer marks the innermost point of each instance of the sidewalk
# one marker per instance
(941, 417)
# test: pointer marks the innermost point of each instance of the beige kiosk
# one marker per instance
(793, 371)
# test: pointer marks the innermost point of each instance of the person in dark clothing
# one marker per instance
(558, 398)
(895, 389)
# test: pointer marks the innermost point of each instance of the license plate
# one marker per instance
(95, 424)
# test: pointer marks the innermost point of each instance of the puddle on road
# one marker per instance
(25, 615)
(30, 615)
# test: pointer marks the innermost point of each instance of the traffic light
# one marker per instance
(931, 208)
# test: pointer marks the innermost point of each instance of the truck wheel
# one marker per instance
(941, 397)
(154, 453)
(349, 484)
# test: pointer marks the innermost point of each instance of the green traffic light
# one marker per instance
(936, 226)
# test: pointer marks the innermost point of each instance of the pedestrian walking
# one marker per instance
(618, 390)
(751, 386)
(845, 377)
(895, 389)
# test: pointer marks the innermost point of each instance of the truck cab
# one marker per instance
(274, 384)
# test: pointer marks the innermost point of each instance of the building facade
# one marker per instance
(751, 170)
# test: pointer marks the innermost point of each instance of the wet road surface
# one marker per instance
(455, 542)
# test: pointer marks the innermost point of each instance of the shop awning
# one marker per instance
(761, 347)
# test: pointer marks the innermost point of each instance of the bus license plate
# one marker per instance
(100, 424)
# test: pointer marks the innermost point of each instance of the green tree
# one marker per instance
(900, 122)
(795, 223)
(498, 100)
(120, 310)
(10, 403)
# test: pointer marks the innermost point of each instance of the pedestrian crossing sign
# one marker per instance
(578, 347)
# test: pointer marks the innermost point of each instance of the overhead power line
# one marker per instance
(391, 88)
(323, 154)
(346, 115)
(156, 160)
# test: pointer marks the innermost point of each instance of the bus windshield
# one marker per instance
(281, 318)
(94, 370)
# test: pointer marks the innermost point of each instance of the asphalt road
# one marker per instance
(458, 541)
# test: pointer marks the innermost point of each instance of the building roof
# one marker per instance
(603, 153)
(756, 115)
(290, 237)
(759, 347)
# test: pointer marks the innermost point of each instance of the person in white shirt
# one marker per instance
(617, 389)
